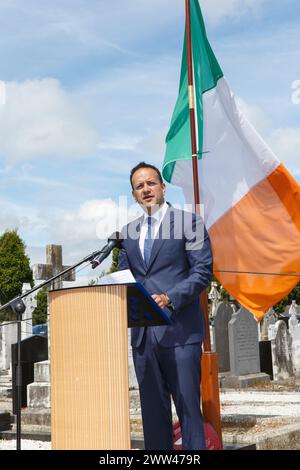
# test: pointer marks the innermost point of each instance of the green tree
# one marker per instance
(294, 295)
(279, 307)
(39, 314)
(115, 260)
(14, 269)
(93, 282)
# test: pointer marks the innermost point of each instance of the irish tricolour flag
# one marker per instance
(251, 202)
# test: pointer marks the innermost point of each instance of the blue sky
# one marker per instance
(90, 89)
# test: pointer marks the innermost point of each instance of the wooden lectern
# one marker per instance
(89, 363)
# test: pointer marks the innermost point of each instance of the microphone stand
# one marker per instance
(18, 307)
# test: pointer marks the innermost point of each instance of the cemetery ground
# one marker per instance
(267, 415)
(259, 375)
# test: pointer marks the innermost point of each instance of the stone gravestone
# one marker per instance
(243, 340)
(223, 314)
(234, 307)
(39, 391)
(269, 319)
(30, 302)
(294, 330)
(271, 331)
(243, 352)
(282, 352)
(265, 347)
(8, 336)
(234, 304)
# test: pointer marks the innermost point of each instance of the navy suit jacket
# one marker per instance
(180, 266)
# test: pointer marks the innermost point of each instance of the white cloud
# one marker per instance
(286, 144)
(23, 218)
(94, 220)
(40, 120)
(217, 10)
(119, 142)
(138, 99)
(9, 220)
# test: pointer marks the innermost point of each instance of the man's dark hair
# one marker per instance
(144, 165)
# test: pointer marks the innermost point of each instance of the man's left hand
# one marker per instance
(161, 299)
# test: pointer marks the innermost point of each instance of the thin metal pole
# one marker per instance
(19, 383)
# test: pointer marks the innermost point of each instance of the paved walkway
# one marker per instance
(261, 403)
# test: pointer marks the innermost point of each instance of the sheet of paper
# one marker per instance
(119, 277)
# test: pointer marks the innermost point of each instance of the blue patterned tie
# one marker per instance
(148, 241)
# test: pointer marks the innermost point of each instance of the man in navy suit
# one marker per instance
(169, 252)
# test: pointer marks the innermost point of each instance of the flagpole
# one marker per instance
(207, 342)
(210, 370)
(192, 106)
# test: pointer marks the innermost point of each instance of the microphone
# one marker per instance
(114, 241)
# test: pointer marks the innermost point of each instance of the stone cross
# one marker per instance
(293, 308)
(214, 297)
(30, 302)
(293, 321)
(52, 267)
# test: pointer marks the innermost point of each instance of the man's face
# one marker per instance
(148, 191)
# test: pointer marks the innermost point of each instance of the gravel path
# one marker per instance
(261, 404)
(10, 444)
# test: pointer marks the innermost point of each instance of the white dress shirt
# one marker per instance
(157, 219)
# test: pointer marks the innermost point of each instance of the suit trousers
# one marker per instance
(164, 372)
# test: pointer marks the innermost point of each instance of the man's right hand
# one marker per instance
(161, 299)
